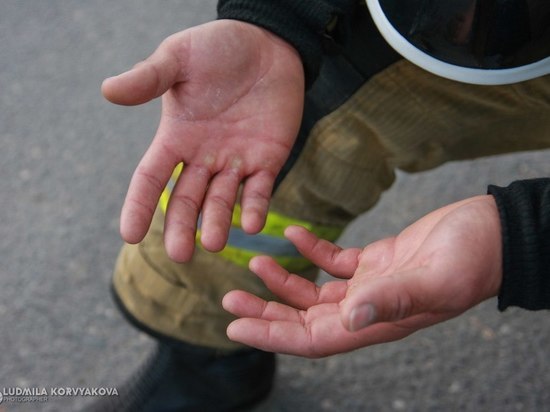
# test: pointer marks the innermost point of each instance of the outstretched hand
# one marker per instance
(434, 270)
(232, 98)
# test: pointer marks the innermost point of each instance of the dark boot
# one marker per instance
(182, 377)
(188, 378)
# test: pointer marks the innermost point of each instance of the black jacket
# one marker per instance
(524, 209)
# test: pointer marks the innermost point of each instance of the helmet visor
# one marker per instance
(475, 34)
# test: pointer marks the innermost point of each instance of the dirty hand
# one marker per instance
(232, 97)
(434, 270)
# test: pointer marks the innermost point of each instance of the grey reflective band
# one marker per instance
(261, 243)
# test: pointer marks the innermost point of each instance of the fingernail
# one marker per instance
(362, 316)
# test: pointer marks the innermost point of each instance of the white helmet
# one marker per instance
(471, 41)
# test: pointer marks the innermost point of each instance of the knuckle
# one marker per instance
(402, 308)
(184, 202)
(220, 202)
(138, 204)
(150, 178)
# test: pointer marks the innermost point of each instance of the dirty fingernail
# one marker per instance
(362, 316)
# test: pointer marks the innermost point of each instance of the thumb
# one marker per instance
(147, 80)
(386, 298)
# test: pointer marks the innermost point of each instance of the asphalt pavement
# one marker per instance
(66, 157)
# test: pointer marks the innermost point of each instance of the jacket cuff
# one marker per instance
(524, 209)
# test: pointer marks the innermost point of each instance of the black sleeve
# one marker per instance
(307, 25)
(524, 209)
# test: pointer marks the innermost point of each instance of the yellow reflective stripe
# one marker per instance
(165, 196)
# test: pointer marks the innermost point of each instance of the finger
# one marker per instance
(388, 298)
(146, 80)
(279, 336)
(329, 257)
(244, 304)
(218, 209)
(324, 336)
(255, 201)
(180, 226)
(147, 183)
(293, 289)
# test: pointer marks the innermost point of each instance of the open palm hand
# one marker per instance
(232, 97)
(434, 270)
